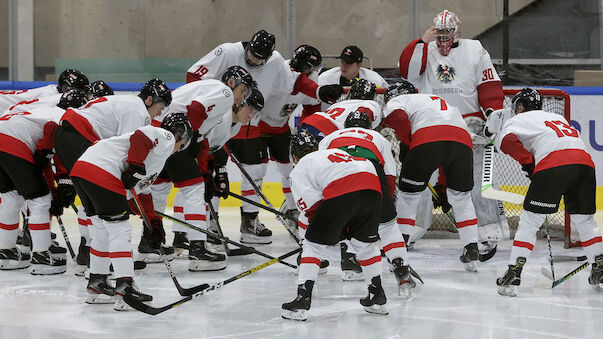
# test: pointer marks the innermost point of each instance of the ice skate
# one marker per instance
(350, 267)
(99, 290)
(202, 259)
(375, 301)
(469, 257)
(509, 282)
(299, 307)
(253, 231)
(57, 250)
(213, 228)
(83, 258)
(149, 254)
(405, 281)
(46, 263)
(180, 245)
(125, 286)
(596, 274)
(13, 258)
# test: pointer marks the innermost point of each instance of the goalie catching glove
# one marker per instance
(496, 120)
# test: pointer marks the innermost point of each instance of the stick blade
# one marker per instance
(513, 198)
(142, 307)
(185, 292)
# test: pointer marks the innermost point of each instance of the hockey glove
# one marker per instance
(221, 184)
(529, 169)
(66, 191)
(132, 175)
(56, 205)
(443, 198)
(330, 93)
(42, 158)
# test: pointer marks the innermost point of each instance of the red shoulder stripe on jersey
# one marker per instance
(511, 145)
(81, 124)
(267, 129)
(564, 157)
(98, 176)
(440, 133)
(305, 85)
(398, 120)
(16, 147)
(407, 55)
(350, 141)
(325, 125)
(140, 146)
(352, 183)
(490, 95)
(196, 114)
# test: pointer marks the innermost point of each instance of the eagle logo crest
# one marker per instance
(445, 73)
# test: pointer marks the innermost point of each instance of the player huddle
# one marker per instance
(345, 184)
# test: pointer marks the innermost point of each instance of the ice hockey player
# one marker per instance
(361, 98)
(207, 103)
(341, 196)
(102, 175)
(98, 89)
(433, 134)
(359, 140)
(555, 159)
(102, 118)
(460, 72)
(24, 170)
(273, 77)
(69, 79)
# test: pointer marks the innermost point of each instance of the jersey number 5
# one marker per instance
(562, 129)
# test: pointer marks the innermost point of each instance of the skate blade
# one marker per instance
(254, 239)
(470, 266)
(80, 270)
(9, 264)
(48, 270)
(99, 299)
(202, 265)
(376, 309)
(597, 288)
(299, 315)
(322, 270)
(120, 305)
(404, 290)
(351, 276)
(509, 291)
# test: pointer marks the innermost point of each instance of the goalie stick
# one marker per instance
(488, 190)
(205, 288)
(229, 252)
(226, 239)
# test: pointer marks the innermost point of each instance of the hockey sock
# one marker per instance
(178, 213)
(256, 172)
(310, 261)
(39, 222)
(99, 247)
(195, 210)
(84, 222)
(10, 205)
(590, 236)
(302, 225)
(285, 170)
(120, 248)
(392, 241)
(525, 237)
(369, 257)
(464, 213)
(406, 208)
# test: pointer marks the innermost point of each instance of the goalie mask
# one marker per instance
(448, 30)
(528, 99)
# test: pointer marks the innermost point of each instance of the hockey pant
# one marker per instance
(466, 222)
(368, 256)
(111, 244)
(530, 222)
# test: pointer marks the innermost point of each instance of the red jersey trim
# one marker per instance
(440, 133)
(98, 176)
(349, 141)
(189, 182)
(565, 157)
(196, 114)
(406, 56)
(305, 85)
(352, 183)
(254, 132)
(267, 129)
(512, 146)
(81, 124)
(140, 146)
(490, 95)
(16, 147)
(325, 125)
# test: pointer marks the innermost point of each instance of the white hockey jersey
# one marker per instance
(454, 77)
(332, 76)
(9, 98)
(108, 116)
(28, 105)
(335, 115)
(21, 131)
(543, 138)
(422, 118)
(327, 174)
(104, 162)
(205, 102)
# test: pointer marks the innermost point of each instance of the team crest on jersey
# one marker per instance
(168, 135)
(147, 121)
(226, 93)
(445, 73)
(218, 51)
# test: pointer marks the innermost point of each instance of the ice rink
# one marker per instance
(453, 303)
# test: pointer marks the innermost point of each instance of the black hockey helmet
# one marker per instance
(255, 100)
(358, 119)
(156, 89)
(241, 76)
(98, 89)
(363, 89)
(180, 126)
(72, 79)
(528, 99)
(306, 59)
(399, 88)
(301, 144)
(72, 98)
(260, 46)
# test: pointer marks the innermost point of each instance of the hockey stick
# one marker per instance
(205, 288)
(249, 201)
(548, 274)
(259, 192)
(226, 239)
(67, 242)
(488, 190)
(480, 257)
(145, 218)
(229, 252)
(548, 241)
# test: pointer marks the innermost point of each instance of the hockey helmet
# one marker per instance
(72, 98)
(301, 144)
(180, 126)
(363, 89)
(98, 89)
(306, 59)
(448, 30)
(528, 99)
(399, 88)
(156, 89)
(240, 76)
(358, 119)
(72, 79)
(260, 46)
(255, 99)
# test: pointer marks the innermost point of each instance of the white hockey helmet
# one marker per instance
(448, 30)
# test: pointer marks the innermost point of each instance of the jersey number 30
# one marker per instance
(562, 129)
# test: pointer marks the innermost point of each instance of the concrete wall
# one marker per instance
(190, 28)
